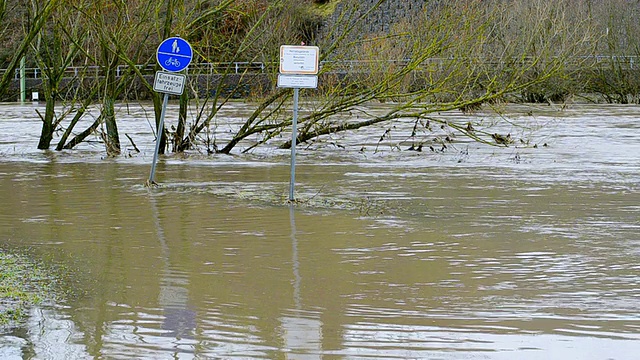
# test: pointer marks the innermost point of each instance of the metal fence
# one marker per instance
(599, 61)
(199, 68)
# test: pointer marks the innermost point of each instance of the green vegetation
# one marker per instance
(23, 283)
(324, 8)
(450, 55)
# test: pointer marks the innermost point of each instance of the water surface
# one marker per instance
(473, 253)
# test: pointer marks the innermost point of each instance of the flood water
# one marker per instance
(473, 253)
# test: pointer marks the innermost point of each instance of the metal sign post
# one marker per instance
(294, 138)
(173, 55)
(298, 69)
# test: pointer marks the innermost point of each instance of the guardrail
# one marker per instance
(199, 68)
(626, 62)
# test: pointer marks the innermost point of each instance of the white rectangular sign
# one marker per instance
(298, 81)
(299, 59)
(169, 83)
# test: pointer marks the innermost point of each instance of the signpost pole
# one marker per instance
(294, 136)
(173, 55)
(160, 130)
(23, 84)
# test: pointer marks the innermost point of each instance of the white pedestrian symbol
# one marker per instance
(174, 47)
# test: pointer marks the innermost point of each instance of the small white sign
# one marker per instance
(299, 59)
(298, 81)
(169, 83)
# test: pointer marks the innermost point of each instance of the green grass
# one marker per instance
(23, 283)
(325, 9)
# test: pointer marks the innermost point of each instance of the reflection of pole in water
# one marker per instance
(302, 335)
(174, 296)
(295, 262)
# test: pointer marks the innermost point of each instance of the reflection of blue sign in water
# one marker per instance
(174, 54)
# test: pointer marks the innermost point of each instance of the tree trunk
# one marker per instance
(181, 144)
(46, 135)
(112, 139)
(157, 107)
(83, 135)
(85, 104)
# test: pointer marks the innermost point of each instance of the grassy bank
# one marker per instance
(23, 283)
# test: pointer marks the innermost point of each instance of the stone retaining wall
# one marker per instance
(236, 85)
(381, 19)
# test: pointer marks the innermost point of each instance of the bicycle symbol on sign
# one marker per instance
(172, 62)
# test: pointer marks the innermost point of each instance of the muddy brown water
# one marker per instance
(473, 253)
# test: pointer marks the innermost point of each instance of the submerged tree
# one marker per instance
(117, 29)
(56, 49)
(613, 73)
(258, 29)
(453, 56)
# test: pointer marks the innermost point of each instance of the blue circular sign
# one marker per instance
(174, 54)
